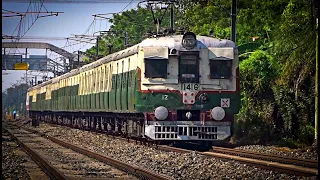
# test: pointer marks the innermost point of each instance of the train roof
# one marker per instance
(172, 41)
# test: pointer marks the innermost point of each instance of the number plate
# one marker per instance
(190, 87)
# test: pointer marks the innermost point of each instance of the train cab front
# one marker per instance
(190, 93)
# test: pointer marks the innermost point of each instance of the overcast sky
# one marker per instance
(75, 19)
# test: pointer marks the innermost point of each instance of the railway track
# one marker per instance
(14, 159)
(289, 167)
(266, 163)
(60, 158)
(268, 157)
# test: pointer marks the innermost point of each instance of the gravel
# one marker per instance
(12, 167)
(176, 165)
(282, 151)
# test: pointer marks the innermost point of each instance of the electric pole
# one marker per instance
(97, 45)
(233, 20)
(316, 92)
(171, 19)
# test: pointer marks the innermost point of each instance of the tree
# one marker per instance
(294, 48)
(257, 75)
(14, 96)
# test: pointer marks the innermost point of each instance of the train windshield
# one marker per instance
(156, 68)
(189, 67)
(220, 68)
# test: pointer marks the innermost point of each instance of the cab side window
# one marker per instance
(156, 68)
(220, 68)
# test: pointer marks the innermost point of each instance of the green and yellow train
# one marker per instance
(171, 88)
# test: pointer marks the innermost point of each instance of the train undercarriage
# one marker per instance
(126, 125)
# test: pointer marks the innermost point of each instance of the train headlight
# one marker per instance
(161, 113)
(204, 98)
(218, 113)
(189, 40)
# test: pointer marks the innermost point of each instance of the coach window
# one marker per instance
(109, 77)
(83, 83)
(80, 85)
(220, 68)
(105, 75)
(97, 81)
(101, 80)
(86, 78)
(156, 67)
(86, 89)
(92, 82)
(89, 85)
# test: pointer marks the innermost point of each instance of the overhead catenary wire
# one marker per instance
(74, 1)
(93, 24)
(126, 6)
(25, 19)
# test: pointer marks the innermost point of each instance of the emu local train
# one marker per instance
(171, 88)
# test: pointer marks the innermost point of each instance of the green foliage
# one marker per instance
(286, 83)
(285, 100)
(258, 18)
(201, 18)
(306, 134)
(85, 59)
(254, 18)
(256, 73)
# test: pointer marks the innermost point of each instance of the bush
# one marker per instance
(306, 134)
(253, 123)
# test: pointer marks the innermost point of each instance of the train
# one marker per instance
(174, 88)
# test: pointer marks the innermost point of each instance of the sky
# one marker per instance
(75, 19)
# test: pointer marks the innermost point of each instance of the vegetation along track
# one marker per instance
(65, 165)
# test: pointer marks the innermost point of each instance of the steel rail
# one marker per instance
(50, 170)
(145, 174)
(274, 166)
(275, 158)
